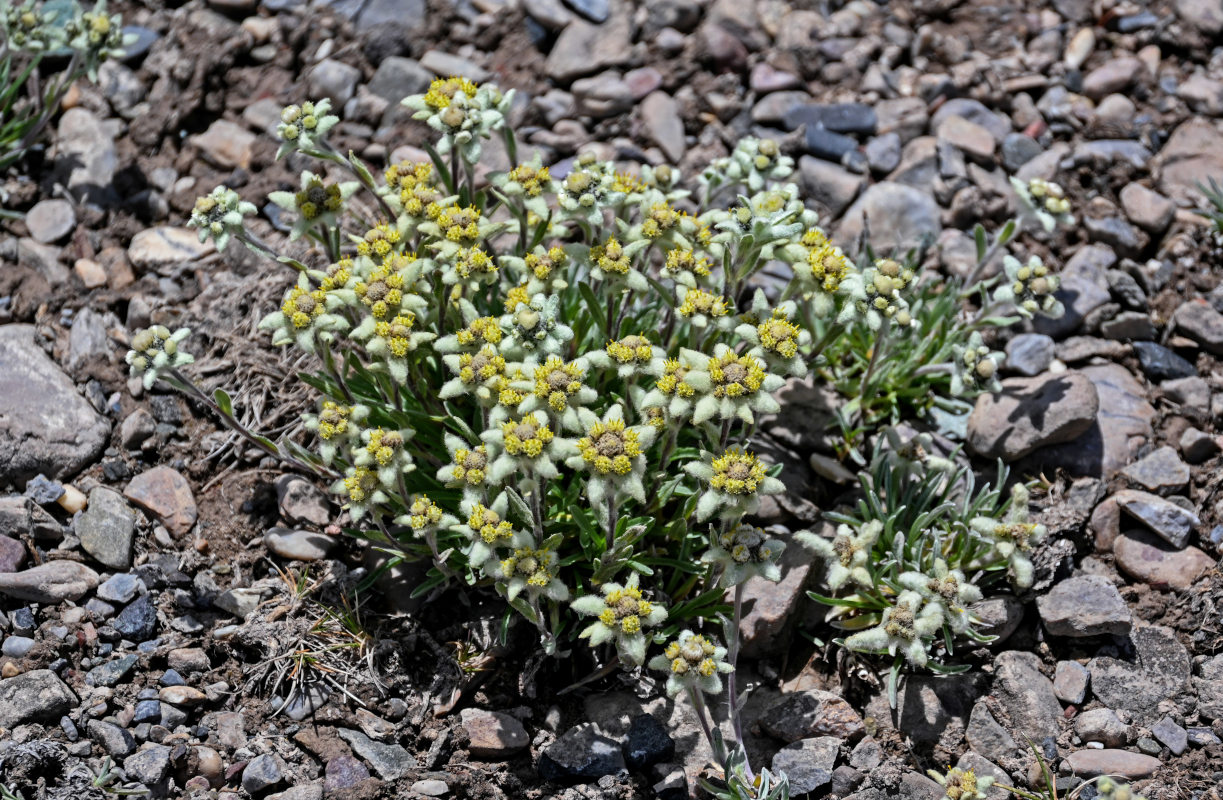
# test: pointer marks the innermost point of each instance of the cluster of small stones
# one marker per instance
(117, 625)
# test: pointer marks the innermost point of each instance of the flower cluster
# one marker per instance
(1030, 287)
(219, 215)
(962, 784)
(692, 661)
(155, 353)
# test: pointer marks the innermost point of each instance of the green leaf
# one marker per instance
(221, 398)
(520, 505)
(979, 234)
(594, 307)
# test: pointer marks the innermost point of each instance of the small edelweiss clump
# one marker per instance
(475, 373)
(424, 516)
(613, 262)
(463, 112)
(533, 570)
(753, 162)
(976, 367)
(914, 455)
(526, 446)
(692, 662)
(219, 215)
(672, 393)
(1110, 789)
(336, 426)
(587, 190)
(700, 307)
(686, 267)
(316, 204)
(476, 334)
(962, 784)
(155, 351)
(877, 293)
(733, 385)
(1030, 287)
(847, 555)
(774, 336)
(305, 316)
(947, 589)
(736, 481)
(362, 489)
(560, 389)
(530, 183)
(99, 36)
(905, 628)
(744, 553)
(1045, 201)
(30, 28)
(613, 455)
(1013, 537)
(536, 327)
(488, 530)
(383, 452)
(622, 615)
(631, 355)
(468, 467)
(305, 127)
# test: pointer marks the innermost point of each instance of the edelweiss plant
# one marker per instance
(548, 383)
(33, 31)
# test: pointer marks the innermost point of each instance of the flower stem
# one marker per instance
(736, 718)
(612, 512)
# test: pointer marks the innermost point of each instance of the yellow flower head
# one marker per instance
(659, 219)
(735, 375)
(443, 90)
(538, 566)
(470, 465)
(737, 472)
(302, 307)
(383, 445)
(397, 333)
(829, 266)
(527, 436)
(379, 240)
(338, 275)
(631, 350)
(626, 183)
(489, 525)
(317, 199)
(382, 291)
(779, 335)
(422, 513)
(672, 380)
(360, 484)
(680, 259)
(483, 365)
(610, 257)
(473, 261)
(557, 381)
(533, 181)
(609, 447)
(699, 301)
(542, 266)
(484, 330)
(459, 224)
(333, 420)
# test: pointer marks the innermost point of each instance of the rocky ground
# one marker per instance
(171, 602)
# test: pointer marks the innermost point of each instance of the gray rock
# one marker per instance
(431, 787)
(603, 95)
(335, 80)
(136, 428)
(1070, 682)
(390, 761)
(974, 140)
(1017, 150)
(1123, 424)
(647, 743)
(832, 187)
(1112, 76)
(1172, 735)
(1121, 763)
(138, 621)
(1000, 616)
(239, 601)
(344, 772)
(113, 739)
(1147, 209)
(1146, 557)
(584, 48)
(46, 426)
(120, 588)
(166, 494)
(662, 123)
(35, 696)
(1192, 392)
(50, 220)
(106, 528)
(808, 763)
(1200, 321)
(1161, 364)
(1128, 326)
(493, 735)
(443, 63)
(1026, 695)
(1160, 471)
(811, 714)
(836, 117)
(1031, 413)
(43, 491)
(1194, 150)
(49, 583)
(86, 158)
(1102, 725)
(1029, 354)
(227, 144)
(407, 15)
(898, 215)
(17, 646)
(20, 516)
(1197, 446)
(150, 765)
(1158, 670)
(1085, 605)
(261, 773)
(298, 545)
(772, 607)
(987, 737)
(166, 247)
(580, 755)
(1084, 288)
(112, 672)
(1164, 518)
(983, 767)
(1205, 15)
(974, 111)
(1209, 687)
(398, 77)
(122, 87)
(883, 152)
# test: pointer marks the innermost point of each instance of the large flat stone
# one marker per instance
(45, 425)
(1030, 413)
(35, 696)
